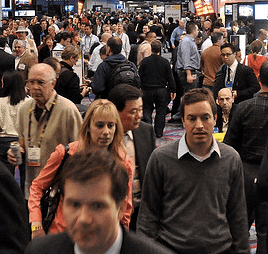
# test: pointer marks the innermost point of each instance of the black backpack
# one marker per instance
(124, 73)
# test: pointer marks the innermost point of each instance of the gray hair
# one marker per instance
(21, 42)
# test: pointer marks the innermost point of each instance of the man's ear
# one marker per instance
(54, 81)
(215, 117)
(217, 101)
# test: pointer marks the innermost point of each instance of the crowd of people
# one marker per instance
(194, 195)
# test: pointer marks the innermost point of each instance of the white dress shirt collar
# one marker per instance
(184, 149)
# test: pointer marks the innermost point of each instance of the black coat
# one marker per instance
(13, 217)
(144, 142)
(245, 82)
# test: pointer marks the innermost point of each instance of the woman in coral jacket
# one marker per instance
(255, 60)
(101, 129)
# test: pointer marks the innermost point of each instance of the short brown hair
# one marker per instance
(82, 167)
(197, 95)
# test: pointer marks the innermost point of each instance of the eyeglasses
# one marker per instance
(39, 82)
(227, 54)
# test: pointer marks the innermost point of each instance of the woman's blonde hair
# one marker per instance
(102, 107)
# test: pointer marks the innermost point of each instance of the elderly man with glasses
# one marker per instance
(44, 121)
(240, 79)
(24, 60)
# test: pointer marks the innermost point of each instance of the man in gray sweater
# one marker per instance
(193, 197)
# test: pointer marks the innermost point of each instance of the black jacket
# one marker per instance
(245, 82)
(219, 121)
(68, 84)
(155, 72)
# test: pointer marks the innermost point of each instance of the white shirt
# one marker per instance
(114, 249)
(125, 44)
(184, 149)
(59, 47)
(87, 42)
(95, 59)
(206, 44)
(233, 68)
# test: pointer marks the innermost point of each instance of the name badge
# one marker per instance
(34, 155)
(229, 84)
(22, 67)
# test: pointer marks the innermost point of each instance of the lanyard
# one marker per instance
(45, 125)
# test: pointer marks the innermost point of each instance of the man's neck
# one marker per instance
(202, 149)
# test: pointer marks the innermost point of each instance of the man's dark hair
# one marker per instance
(190, 27)
(234, 23)
(216, 36)
(3, 41)
(197, 95)
(228, 45)
(115, 45)
(65, 24)
(264, 74)
(90, 26)
(120, 94)
(52, 61)
(91, 164)
(156, 46)
(170, 19)
(236, 49)
(65, 36)
(149, 35)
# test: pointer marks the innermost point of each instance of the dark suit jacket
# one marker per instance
(144, 142)
(245, 82)
(25, 63)
(13, 216)
(10, 40)
(7, 62)
(219, 121)
(62, 244)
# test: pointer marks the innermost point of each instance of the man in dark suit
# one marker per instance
(94, 199)
(7, 61)
(14, 231)
(239, 78)
(225, 109)
(139, 136)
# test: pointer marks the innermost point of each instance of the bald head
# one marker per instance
(105, 37)
(225, 99)
(41, 82)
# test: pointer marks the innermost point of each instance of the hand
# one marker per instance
(86, 61)
(87, 81)
(172, 96)
(37, 233)
(11, 158)
(85, 91)
(190, 79)
(173, 46)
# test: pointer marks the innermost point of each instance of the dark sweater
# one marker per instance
(195, 207)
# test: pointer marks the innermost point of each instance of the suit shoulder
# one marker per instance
(52, 244)
(137, 245)
(145, 126)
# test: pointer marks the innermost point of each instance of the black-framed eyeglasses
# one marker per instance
(227, 54)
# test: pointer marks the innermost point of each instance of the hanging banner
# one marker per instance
(203, 7)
